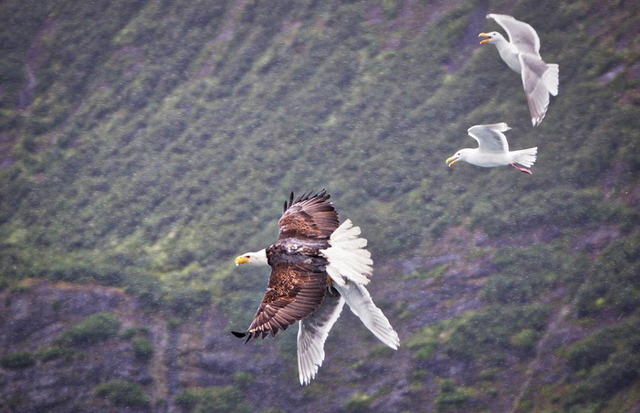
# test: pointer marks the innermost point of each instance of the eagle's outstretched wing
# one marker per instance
(294, 292)
(308, 218)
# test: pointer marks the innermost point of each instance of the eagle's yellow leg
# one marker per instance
(329, 282)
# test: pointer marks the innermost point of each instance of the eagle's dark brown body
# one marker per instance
(298, 281)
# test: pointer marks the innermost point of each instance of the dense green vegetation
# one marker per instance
(46, 354)
(166, 186)
(93, 329)
(17, 360)
(213, 399)
(142, 348)
(123, 393)
(451, 397)
(144, 144)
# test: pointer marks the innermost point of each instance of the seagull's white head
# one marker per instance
(255, 258)
(461, 155)
(491, 37)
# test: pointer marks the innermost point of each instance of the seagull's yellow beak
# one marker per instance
(483, 34)
(453, 160)
(241, 260)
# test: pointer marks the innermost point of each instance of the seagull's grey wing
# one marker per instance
(533, 69)
(312, 334)
(490, 137)
(521, 34)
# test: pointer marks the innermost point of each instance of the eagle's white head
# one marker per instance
(255, 258)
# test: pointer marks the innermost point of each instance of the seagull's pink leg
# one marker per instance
(521, 169)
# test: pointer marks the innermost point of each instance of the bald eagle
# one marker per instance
(316, 266)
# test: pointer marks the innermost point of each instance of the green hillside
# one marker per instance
(145, 144)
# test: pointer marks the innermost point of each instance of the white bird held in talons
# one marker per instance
(493, 149)
(522, 54)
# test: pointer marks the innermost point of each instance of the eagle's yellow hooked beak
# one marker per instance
(453, 160)
(483, 34)
(241, 260)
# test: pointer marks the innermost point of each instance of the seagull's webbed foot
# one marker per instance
(521, 169)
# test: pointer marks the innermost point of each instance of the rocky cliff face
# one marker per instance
(34, 317)
(193, 362)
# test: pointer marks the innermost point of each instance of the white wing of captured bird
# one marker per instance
(316, 265)
(522, 54)
(312, 334)
(493, 150)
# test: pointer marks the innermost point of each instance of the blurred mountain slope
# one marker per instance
(145, 144)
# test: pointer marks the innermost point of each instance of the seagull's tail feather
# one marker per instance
(347, 256)
(525, 157)
(550, 78)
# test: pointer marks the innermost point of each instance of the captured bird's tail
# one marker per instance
(525, 157)
(347, 256)
(361, 304)
(550, 78)
(349, 268)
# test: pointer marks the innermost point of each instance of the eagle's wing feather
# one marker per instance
(294, 292)
(308, 217)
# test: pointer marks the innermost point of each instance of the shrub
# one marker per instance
(185, 302)
(589, 352)
(123, 393)
(128, 334)
(222, 399)
(613, 280)
(52, 353)
(147, 288)
(187, 399)
(142, 348)
(450, 397)
(488, 374)
(94, 329)
(243, 378)
(605, 380)
(17, 360)
(174, 323)
(425, 342)
(359, 402)
(525, 339)
(524, 274)
(486, 332)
